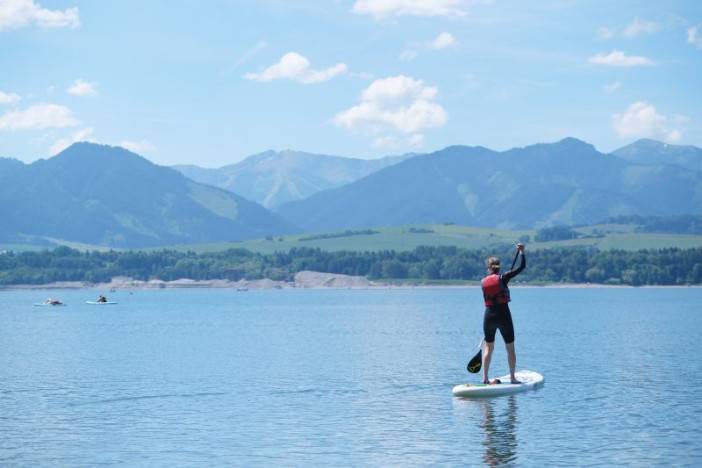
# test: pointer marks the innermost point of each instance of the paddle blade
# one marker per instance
(475, 363)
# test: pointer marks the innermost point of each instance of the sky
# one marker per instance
(212, 82)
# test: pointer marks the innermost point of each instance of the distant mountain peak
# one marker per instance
(93, 150)
(651, 152)
(276, 177)
(572, 142)
(648, 143)
(83, 145)
(565, 147)
(107, 195)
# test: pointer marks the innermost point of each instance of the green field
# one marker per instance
(603, 237)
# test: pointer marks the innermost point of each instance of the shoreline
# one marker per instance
(302, 280)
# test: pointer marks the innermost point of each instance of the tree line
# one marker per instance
(672, 266)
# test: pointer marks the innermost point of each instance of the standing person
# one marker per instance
(497, 314)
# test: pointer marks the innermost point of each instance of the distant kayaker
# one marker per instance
(497, 314)
(102, 298)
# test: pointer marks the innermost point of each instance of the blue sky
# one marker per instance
(212, 82)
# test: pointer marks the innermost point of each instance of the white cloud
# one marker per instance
(140, 147)
(443, 41)
(63, 143)
(9, 98)
(83, 88)
(380, 9)
(637, 28)
(641, 120)
(693, 36)
(293, 66)
(38, 117)
(617, 58)
(399, 104)
(18, 13)
(612, 87)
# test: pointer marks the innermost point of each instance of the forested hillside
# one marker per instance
(565, 265)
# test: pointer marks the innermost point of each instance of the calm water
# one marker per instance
(339, 377)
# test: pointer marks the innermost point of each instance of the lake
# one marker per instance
(347, 377)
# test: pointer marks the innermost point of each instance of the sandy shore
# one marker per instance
(302, 280)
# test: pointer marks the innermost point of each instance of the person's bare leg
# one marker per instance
(487, 355)
(512, 361)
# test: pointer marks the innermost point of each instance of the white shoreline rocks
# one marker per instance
(315, 279)
(303, 279)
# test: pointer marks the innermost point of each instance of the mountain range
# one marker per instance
(568, 182)
(273, 178)
(103, 195)
(109, 196)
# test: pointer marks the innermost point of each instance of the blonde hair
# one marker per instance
(493, 264)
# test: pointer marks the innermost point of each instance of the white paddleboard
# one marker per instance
(44, 304)
(529, 381)
(100, 303)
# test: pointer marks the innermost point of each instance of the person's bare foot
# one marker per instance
(515, 381)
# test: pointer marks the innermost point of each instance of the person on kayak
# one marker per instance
(497, 314)
(102, 298)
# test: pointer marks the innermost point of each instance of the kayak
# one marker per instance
(44, 304)
(529, 380)
(100, 303)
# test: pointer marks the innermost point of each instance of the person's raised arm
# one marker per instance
(522, 264)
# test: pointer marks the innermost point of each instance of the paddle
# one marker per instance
(476, 362)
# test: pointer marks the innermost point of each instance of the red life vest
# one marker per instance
(494, 291)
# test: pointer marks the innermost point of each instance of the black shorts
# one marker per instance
(498, 318)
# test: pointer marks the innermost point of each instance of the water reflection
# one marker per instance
(500, 426)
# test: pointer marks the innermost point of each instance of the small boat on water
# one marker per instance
(101, 300)
(50, 302)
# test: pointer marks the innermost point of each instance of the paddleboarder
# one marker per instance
(497, 315)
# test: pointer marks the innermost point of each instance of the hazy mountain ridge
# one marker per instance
(109, 196)
(652, 152)
(568, 182)
(103, 195)
(273, 178)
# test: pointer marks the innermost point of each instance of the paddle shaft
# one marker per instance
(515, 260)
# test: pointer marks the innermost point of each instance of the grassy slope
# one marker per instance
(400, 238)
